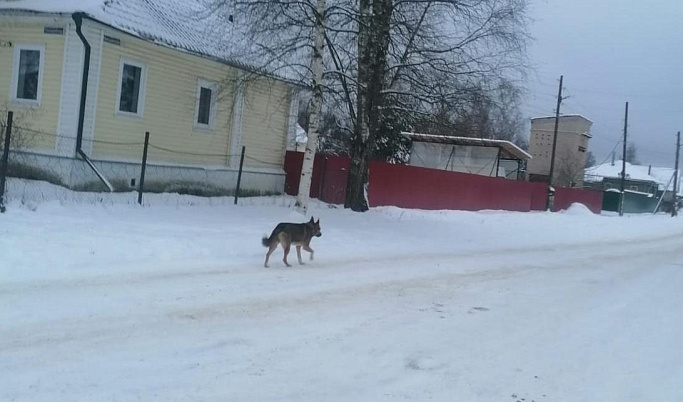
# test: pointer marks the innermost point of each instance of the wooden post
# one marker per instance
(623, 166)
(5, 159)
(141, 188)
(674, 209)
(552, 157)
(239, 175)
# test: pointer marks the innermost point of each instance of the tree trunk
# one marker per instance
(356, 187)
(373, 45)
(316, 106)
(357, 181)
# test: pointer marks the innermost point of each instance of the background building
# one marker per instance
(480, 156)
(570, 155)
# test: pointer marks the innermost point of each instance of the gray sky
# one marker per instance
(610, 52)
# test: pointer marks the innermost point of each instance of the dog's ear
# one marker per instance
(311, 221)
(317, 222)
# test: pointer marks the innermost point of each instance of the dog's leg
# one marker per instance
(286, 248)
(272, 248)
(298, 255)
(310, 250)
(285, 242)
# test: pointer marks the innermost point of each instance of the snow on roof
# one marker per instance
(561, 116)
(659, 175)
(179, 24)
(301, 136)
(61, 6)
(508, 146)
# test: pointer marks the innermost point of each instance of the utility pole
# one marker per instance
(623, 165)
(674, 209)
(552, 158)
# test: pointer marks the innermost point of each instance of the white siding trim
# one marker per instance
(70, 96)
(292, 119)
(62, 93)
(72, 80)
(93, 90)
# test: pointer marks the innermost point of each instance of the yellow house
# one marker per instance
(87, 79)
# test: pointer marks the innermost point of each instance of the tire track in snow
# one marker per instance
(267, 305)
(223, 269)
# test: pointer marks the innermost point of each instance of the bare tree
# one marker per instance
(23, 135)
(424, 55)
(569, 171)
(386, 59)
(590, 160)
(632, 154)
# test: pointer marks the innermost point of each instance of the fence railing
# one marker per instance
(146, 166)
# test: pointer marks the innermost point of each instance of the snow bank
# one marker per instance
(100, 301)
(31, 194)
(578, 209)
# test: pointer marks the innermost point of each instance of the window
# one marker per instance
(131, 92)
(27, 77)
(582, 149)
(205, 111)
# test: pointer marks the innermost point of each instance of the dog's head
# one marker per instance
(315, 225)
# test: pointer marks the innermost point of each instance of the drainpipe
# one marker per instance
(78, 19)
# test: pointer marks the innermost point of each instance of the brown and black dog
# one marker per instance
(286, 234)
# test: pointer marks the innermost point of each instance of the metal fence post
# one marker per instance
(5, 159)
(141, 188)
(239, 175)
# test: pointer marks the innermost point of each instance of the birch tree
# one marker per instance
(316, 107)
(278, 37)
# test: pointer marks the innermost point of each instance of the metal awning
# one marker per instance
(508, 150)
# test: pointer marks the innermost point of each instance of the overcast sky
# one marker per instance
(610, 52)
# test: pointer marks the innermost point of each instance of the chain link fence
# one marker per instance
(40, 166)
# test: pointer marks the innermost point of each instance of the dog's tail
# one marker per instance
(265, 241)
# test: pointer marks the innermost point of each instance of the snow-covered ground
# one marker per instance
(104, 301)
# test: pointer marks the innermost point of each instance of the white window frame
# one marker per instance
(214, 102)
(15, 73)
(143, 87)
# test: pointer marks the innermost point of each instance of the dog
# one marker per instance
(286, 234)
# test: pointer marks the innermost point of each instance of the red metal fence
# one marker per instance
(328, 182)
(414, 187)
(564, 197)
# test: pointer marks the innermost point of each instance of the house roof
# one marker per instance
(659, 175)
(179, 24)
(509, 150)
(563, 116)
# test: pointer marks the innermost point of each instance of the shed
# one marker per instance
(481, 156)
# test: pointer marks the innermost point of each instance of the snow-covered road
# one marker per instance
(172, 303)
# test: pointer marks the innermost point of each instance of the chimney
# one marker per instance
(649, 170)
(613, 155)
